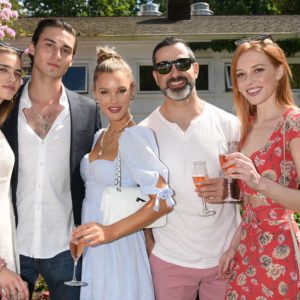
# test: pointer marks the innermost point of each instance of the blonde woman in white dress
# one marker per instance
(115, 262)
(11, 284)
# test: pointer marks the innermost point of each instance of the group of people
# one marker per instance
(56, 162)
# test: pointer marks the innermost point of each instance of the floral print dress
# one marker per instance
(265, 265)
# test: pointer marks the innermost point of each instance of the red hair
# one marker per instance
(245, 111)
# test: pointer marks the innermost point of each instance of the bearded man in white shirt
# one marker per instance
(185, 253)
(50, 130)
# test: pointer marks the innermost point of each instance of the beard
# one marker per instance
(178, 94)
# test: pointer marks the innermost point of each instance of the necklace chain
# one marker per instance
(44, 121)
(104, 146)
(45, 115)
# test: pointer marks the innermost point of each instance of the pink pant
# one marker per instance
(172, 282)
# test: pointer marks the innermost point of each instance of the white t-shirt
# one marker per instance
(188, 239)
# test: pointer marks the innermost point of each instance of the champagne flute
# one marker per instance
(199, 175)
(224, 149)
(76, 249)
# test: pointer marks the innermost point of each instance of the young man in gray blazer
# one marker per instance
(50, 130)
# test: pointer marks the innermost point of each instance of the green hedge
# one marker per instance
(289, 46)
(297, 218)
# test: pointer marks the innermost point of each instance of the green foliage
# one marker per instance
(163, 5)
(288, 6)
(41, 285)
(216, 45)
(297, 218)
(15, 4)
(111, 8)
(76, 8)
(254, 7)
(48, 8)
(289, 46)
(243, 7)
(44, 8)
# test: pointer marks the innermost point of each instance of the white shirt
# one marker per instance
(188, 239)
(44, 202)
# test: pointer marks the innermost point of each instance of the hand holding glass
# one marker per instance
(76, 249)
(199, 175)
(224, 149)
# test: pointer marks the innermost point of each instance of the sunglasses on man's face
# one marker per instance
(256, 38)
(18, 50)
(181, 64)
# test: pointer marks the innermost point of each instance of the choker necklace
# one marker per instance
(104, 146)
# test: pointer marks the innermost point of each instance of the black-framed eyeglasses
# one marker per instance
(181, 64)
(18, 50)
(256, 38)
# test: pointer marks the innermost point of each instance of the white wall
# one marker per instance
(141, 52)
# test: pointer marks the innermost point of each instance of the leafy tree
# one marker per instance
(243, 7)
(288, 6)
(47, 8)
(111, 8)
(163, 5)
(43, 8)
(15, 4)
(70, 8)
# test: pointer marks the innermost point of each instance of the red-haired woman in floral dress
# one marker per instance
(261, 259)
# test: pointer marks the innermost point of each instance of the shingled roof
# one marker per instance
(198, 28)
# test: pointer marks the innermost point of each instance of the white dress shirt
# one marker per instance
(44, 201)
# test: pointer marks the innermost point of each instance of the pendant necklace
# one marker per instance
(45, 123)
(104, 146)
(46, 115)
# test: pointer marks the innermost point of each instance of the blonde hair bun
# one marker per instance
(105, 53)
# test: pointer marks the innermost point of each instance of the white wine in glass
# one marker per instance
(199, 175)
(76, 249)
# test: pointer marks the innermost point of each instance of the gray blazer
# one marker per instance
(85, 121)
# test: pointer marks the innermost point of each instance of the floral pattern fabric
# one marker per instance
(265, 265)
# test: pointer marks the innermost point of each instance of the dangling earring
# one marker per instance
(14, 97)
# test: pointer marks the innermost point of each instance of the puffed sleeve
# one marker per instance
(293, 126)
(139, 154)
(96, 136)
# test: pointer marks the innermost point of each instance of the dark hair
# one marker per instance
(56, 23)
(170, 41)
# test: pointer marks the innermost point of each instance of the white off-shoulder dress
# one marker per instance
(120, 270)
(8, 242)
